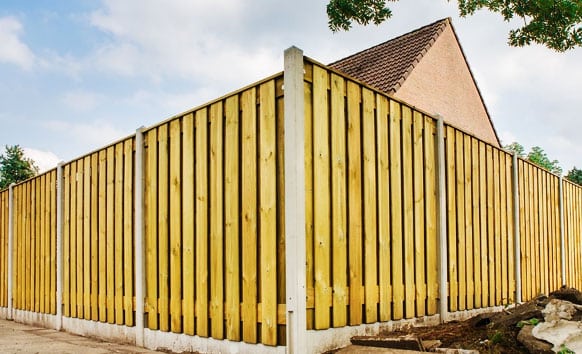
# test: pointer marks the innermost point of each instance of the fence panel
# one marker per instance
(572, 195)
(98, 206)
(370, 204)
(214, 228)
(4, 221)
(34, 243)
(540, 230)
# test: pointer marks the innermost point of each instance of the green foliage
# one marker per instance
(532, 321)
(575, 175)
(553, 23)
(565, 350)
(14, 167)
(537, 155)
(496, 337)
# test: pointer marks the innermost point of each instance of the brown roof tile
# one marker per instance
(386, 65)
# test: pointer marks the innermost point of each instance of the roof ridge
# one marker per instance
(443, 21)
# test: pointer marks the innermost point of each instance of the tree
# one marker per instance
(14, 167)
(557, 24)
(537, 155)
(575, 175)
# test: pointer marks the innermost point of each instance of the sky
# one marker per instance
(76, 75)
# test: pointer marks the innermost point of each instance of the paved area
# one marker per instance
(19, 338)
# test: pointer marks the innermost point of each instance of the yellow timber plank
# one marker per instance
(188, 215)
(309, 245)
(119, 266)
(408, 199)
(430, 192)
(497, 235)
(231, 218)
(397, 210)
(128, 230)
(50, 261)
(339, 201)
(202, 204)
(86, 238)
(102, 224)
(510, 230)
(216, 221)
(420, 253)
(80, 239)
(32, 236)
(383, 170)
(370, 207)
(354, 202)
(163, 209)
(504, 196)
(66, 235)
(110, 234)
(268, 212)
(524, 230)
(321, 197)
(469, 248)
(461, 237)
(175, 224)
(41, 190)
(249, 215)
(94, 239)
(476, 219)
(151, 231)
(490, 226)
(452, 219)
(73, 235)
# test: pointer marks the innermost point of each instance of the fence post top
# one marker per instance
(293, 49)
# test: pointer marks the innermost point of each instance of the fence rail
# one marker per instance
(213, 212)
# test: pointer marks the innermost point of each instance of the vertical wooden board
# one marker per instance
(268, 213)
(41, 252)
(452, 219)
(383, 171)
(491, 235)
(216, 220)
(430, 193)
(102, 234)
(280, 207)
(74, 237)
(535, 219)
(249, 215)
(110, 234)
(419, 217)
(86, 237)
(504, 196)
(231, 218)
(80, 244)
(308, 145)
(128, 230)
(408, 212)
(51, 262)
(339, 201)
(524, 231)
(543, 231)
(163, 210)
(151, 230)
(175, 224)
(66, 240)
(396, 210)
(47, 191)
(483, 225)
(188, 215)
(354, 202)
(31, 245)
(370, 207)
(321, 197)
(469, 245)
(94, 239)
(476, 219)
(510, 228)
(461, 240)
(118, 257)
(202, 202)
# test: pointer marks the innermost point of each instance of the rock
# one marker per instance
(558, 309)
(561, 332)
(409, 342)
(533, 344)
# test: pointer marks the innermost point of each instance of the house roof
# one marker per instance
(386, 65)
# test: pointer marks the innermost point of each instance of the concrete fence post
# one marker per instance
(138, 234)
(562, 231)
(517, 233)
(59, 265)
(10, 246)
(442, 221)
(295, 202)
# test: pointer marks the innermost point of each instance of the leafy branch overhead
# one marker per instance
(557, 24)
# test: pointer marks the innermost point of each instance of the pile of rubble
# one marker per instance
(547, 324)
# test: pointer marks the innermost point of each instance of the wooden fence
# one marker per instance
(214, 220)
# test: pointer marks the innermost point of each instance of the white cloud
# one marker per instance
(12, 49)
(81, 101)
(44, 160)
(91, 134)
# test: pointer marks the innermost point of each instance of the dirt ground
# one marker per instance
(493, 332)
